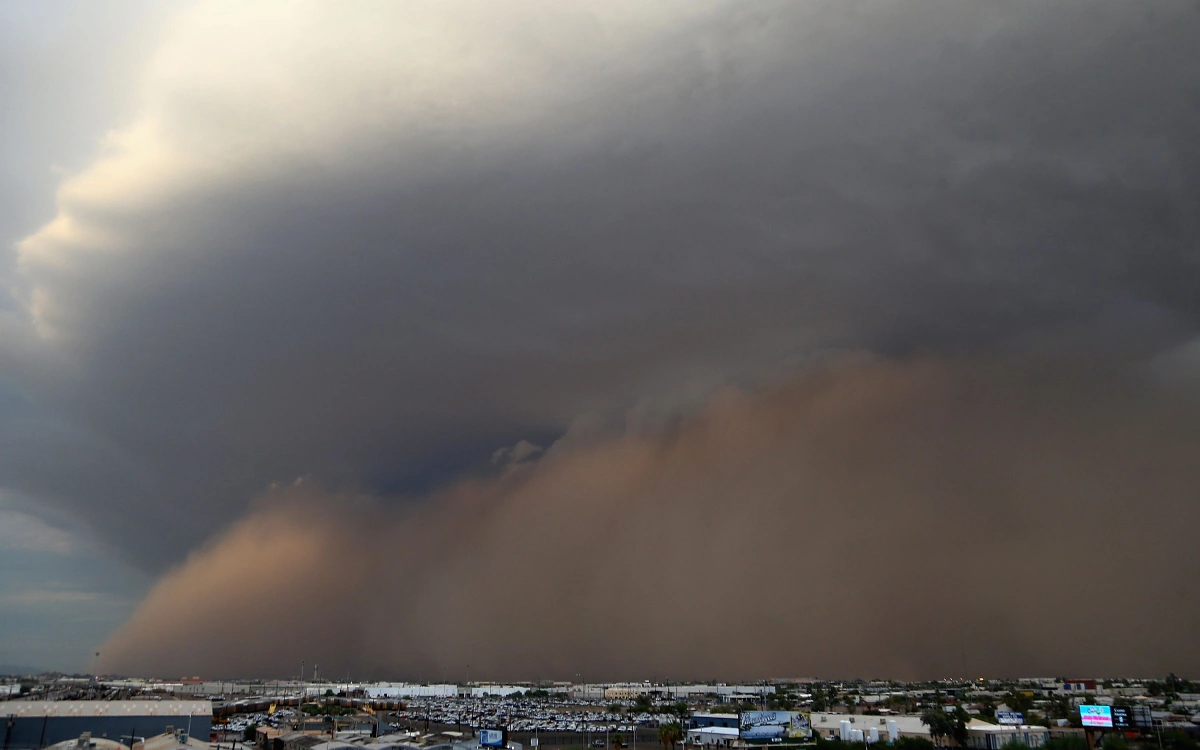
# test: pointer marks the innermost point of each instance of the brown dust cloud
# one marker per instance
(868, 517)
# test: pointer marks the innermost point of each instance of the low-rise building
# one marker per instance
(264, 736)
(34, 724)
(702, 720)
(177, 739)
(86, 742)
(712, 736)
(828, 724)
(984, 736)
(300, 740)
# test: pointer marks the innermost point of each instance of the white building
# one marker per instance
(479, 691)
(984, 736)
(714, 736)
(829, 725)
(405, 690)
(756, 690)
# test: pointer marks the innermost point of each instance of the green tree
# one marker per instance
(987, 709)
(958, 725)
(642, 704)
(783, 700)
(681, 710)
(1177, 740)
(1114, 742)
(670, 735)
(1014, 744)
(943, 724)
(938, 722)
(913, 743)
(1173, 684)
(1068, 742)
(1058, 707)
(1018, 701)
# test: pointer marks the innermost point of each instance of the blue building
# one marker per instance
(36, 724)
(701, 721)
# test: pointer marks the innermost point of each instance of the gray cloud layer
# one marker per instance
(371, 246)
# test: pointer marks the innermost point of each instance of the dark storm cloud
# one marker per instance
(871, 518)
(373, 246)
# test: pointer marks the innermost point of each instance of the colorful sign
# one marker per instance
(769, 725)
(1096, 716)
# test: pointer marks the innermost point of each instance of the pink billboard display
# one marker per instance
(1096, 716)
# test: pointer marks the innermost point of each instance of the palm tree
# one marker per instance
(670, 735)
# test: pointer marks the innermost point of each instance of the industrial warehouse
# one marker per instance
(40, 723)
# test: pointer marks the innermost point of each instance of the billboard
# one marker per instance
(1010, 717)
(491, 738)
(1096, 716)
(1131, 717)
(1141, 717)
(769, 725)
(1120, 718)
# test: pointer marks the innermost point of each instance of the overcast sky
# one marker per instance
(384, 249)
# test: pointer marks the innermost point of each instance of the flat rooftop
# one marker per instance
(38, 709)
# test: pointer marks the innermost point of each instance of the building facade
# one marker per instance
(35, 724)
